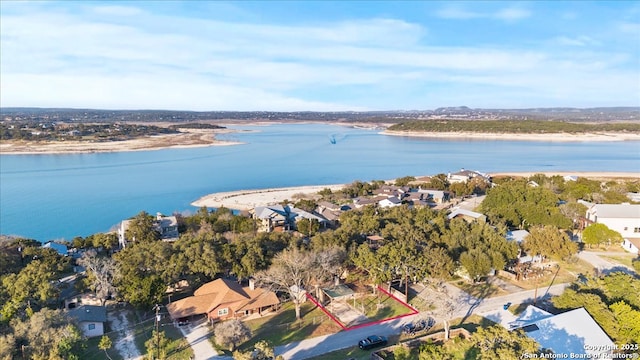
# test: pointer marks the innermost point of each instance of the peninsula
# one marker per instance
(249, 199)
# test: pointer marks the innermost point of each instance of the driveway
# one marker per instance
(604, 266)
(197, 334)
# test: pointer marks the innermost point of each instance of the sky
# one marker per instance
(318, 55)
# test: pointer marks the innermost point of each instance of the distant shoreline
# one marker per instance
(248, 199)
(190, 138)
(559, 137)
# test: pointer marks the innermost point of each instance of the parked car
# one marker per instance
(419, 325)
(372, 341)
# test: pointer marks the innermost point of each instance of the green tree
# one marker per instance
(142, 272)
(477, 263)
(629, 320)
(48, 334)
(596, 234)
(308, 226)
(141, 228)
(496, 342)
(157, 345)
(405, 180)
(105, 344)
(550, 242)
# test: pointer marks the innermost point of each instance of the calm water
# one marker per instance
(49, 197)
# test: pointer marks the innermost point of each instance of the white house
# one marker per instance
(623, 218)
(90, 319)
(465, 175)
(572, 332)
(390, 202)
(632, 245)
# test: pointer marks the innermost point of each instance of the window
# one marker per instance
(92, 326)
(222, 312)
(636, 230)
(626, 228)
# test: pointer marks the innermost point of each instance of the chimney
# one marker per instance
(252, 284)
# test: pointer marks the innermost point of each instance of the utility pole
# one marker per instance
(157, 309)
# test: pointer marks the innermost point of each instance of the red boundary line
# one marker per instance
(313, 300)
(345, 328)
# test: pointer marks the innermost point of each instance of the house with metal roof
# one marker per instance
(90, 319)
(572, 332)
(467, 215)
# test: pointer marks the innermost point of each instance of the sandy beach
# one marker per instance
(248, 199)
(560, 137)
(186, 139)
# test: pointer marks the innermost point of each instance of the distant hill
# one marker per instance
(625, 114)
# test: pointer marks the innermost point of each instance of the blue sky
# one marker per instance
(319, 56)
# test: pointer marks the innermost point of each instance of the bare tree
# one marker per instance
(231, 333)
(102, 272)
(291, 271)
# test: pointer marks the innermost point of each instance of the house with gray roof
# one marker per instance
(59, 248)
(283, 218)
(90, 319)
(467, 215)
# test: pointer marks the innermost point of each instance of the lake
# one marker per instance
(49, 197)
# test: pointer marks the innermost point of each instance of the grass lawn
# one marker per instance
(624, 259)
(92, 351)
(178, 348)
(283, 328)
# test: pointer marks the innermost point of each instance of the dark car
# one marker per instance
(372, 341)
(419, 325)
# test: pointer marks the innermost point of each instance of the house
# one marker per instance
(465, 175)
(166, 226)
(271, 218)
(632, 245)
(59, 248)
(90, 319)
(623, 218)
(573, 333)
(283, 218)
(437, 196)
(391, 201)
(467, 215)
(517, 235)
(570, 178)
(224, 299)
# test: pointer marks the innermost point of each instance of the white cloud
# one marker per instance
(457, 12)
(156, 61)
(581, 40)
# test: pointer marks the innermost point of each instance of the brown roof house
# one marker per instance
(224, 299)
